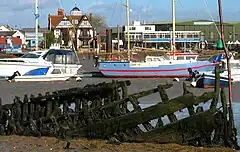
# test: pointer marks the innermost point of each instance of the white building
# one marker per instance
(20, 35)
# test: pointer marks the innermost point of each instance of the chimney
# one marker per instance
(90, 17)
(60, 11)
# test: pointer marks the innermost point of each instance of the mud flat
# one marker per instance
(46, 144)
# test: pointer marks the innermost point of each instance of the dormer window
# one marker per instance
(75, 22)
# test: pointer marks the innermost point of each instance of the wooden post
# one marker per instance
(224, 105)
(217, 87)
(185, 91)
(164, 97)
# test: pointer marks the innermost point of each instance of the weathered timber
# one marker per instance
(88, 92)
(217, 87)
(224, 105)
(164, 97)
(185, 91)
(133, 119)
(136, 95)
(182, 131)
(137, 108)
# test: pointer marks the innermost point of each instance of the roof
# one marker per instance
(75, 9)
(189, 22)
(15, 40)
(56, 19)
(30, 30)
(7, 33)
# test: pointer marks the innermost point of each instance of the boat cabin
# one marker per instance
(188, 57)
(55, 56)
(61, 56)
(183, 56)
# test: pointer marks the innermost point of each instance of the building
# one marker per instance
(68, 27)
(208, 29)
(10, 40)
(147, 35)
(188, 33)
(30, 36)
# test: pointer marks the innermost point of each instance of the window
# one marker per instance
(147, 28)
(149, 60)
(167, 36)
(180, 58)
(132, 28)
(76, 21)
(211, 35)
(30, 55)
(153, 35)
(56, 71)
(146, 36)
(190, 57)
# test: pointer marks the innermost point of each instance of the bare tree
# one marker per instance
(99, 22)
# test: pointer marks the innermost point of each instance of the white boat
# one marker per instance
(234, 64)
(207, 79)
(59, 64)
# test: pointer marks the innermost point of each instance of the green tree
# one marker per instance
(99, 23)
(50, 39)
(65, 37)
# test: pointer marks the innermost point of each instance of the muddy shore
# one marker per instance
(9, 90)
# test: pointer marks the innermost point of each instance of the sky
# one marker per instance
(20, 13)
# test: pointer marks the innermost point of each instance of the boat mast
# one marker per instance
(128, 36)
(36, 24)
(173, 28)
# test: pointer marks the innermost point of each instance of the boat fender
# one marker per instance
(194, 84)
(176, 79)
(78, 79)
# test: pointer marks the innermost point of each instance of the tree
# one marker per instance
(50, 39)
(65, 37)
(99, 22)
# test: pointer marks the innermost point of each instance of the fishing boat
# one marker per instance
(59, 64)
(154, 66)
(172, 64)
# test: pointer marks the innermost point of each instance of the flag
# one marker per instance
(37, 16)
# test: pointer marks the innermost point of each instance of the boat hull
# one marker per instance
(42, 78)
(128, 70)
(208, 81)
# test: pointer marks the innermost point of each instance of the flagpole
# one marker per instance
(36, 24)
(173, 29)
(128, 24)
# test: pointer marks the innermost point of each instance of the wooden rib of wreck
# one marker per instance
(101, 111)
